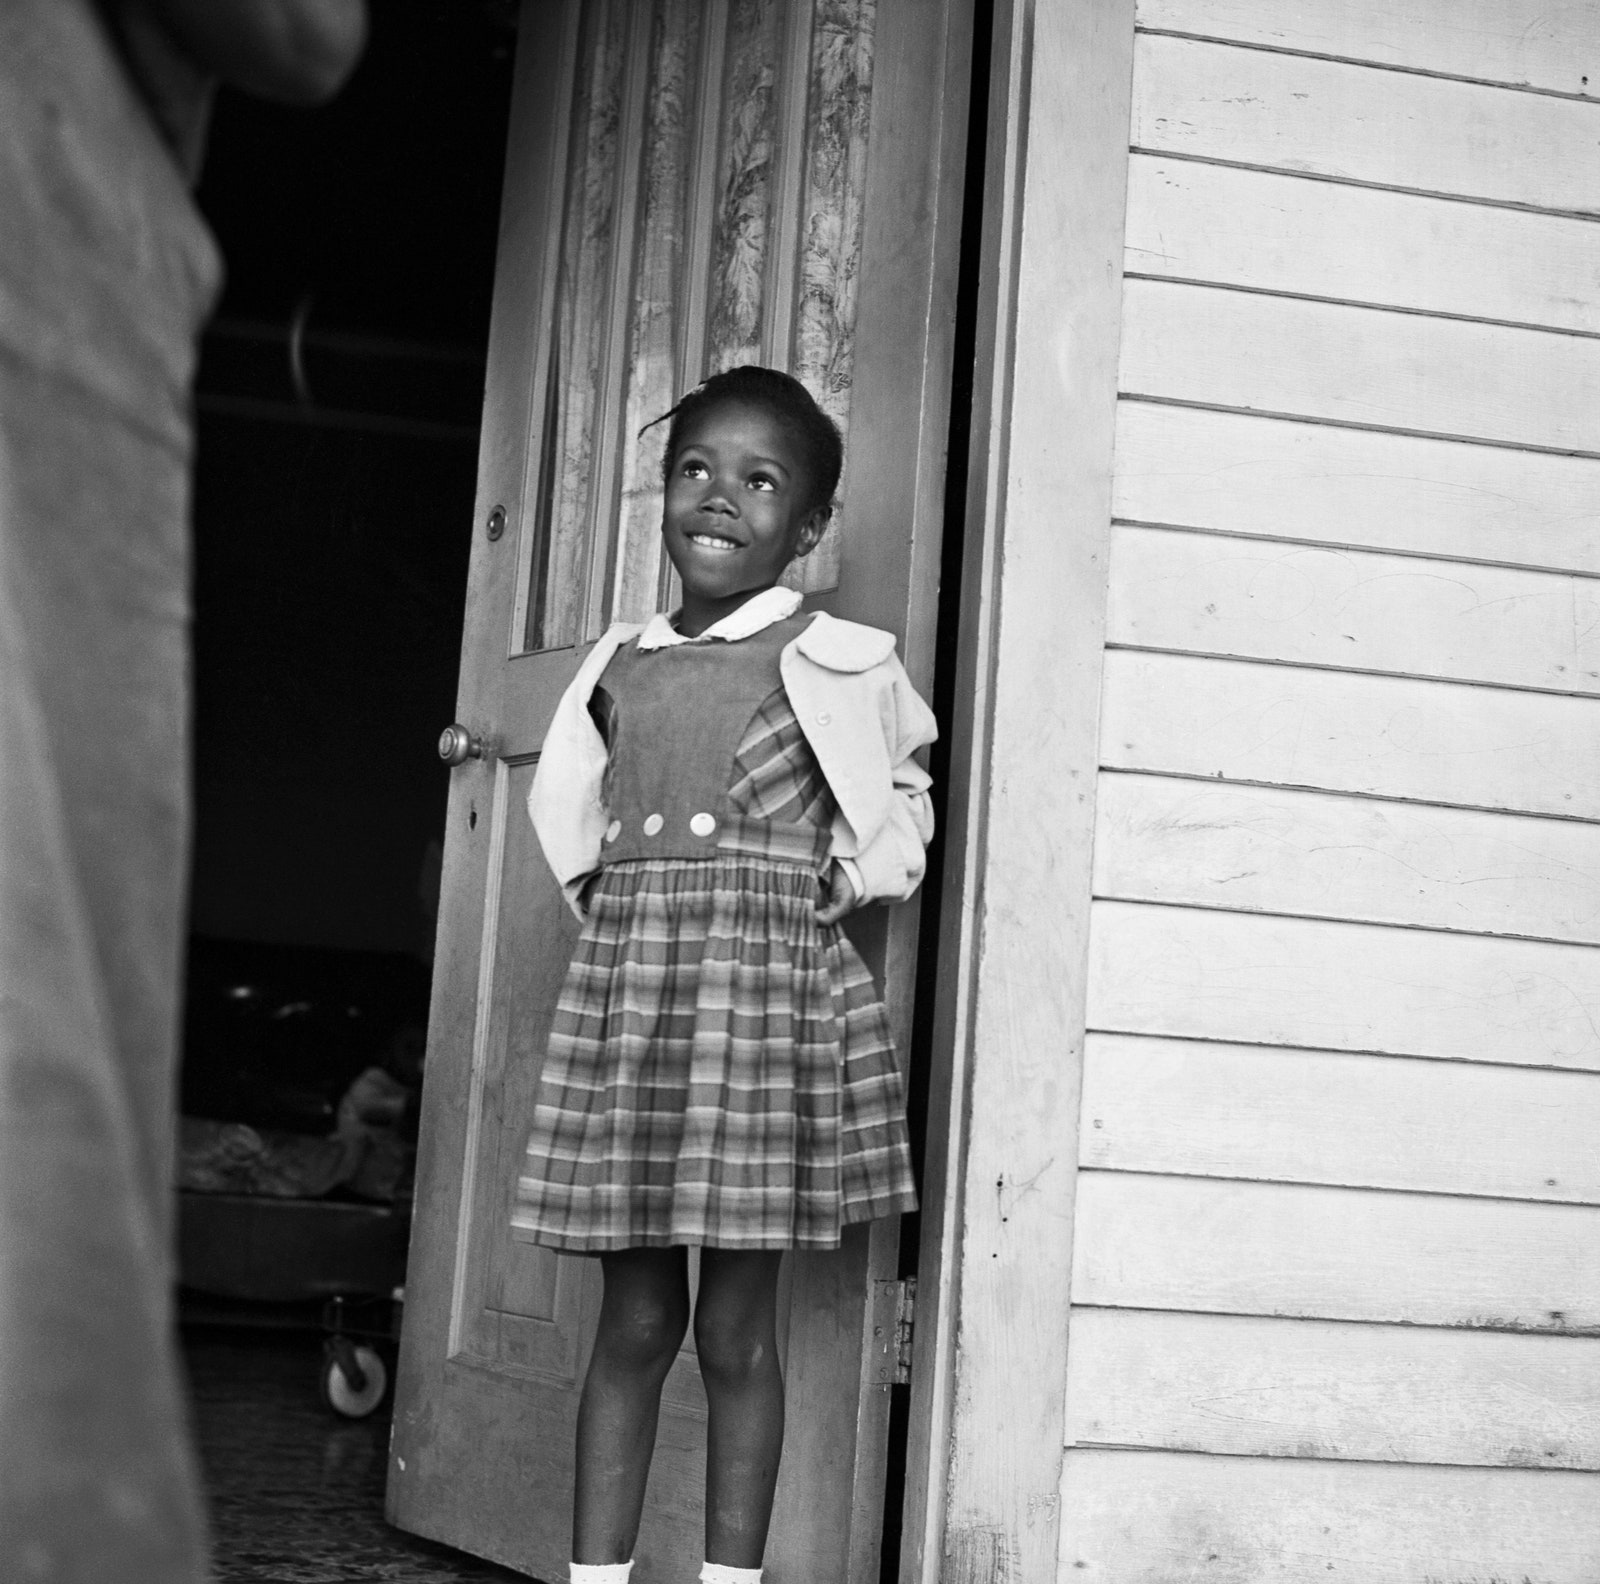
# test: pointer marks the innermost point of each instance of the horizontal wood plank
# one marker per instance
(1361, 244)
(1182, 1518)
(1201, 1109)
(1194, 1243)
(1530, 43)
(1256, 1387)
(1443, 742)
(1323, 855)
(1205, 594)
(1354, 123)
(1349, 365)
(1267, 477)
(1259, 979)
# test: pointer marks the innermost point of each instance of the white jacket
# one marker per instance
(860, 715)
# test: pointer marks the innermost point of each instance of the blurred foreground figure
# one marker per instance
(106, 272)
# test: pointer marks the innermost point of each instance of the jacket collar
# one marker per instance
(844, 645)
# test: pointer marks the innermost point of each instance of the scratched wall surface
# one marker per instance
(1337, 1260)
(713, 217)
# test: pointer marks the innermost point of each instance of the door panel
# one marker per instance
(690, 184)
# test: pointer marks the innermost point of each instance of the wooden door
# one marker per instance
(690, 184)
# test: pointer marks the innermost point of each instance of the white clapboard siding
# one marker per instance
(1202, 1109)
(1442, 742)
(1255, 849)
(1205, 594)
(1183, 1518)
(1266, 477)
(1322, 855)
(1248, 1386)
(1271, 232)
(1530, 43)
(1304, 359)
(1336, 1249)
(1260, 979)
(1354, 123)
(1202, 1244)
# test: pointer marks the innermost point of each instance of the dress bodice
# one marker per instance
(677, 719)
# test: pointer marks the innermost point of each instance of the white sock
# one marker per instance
(600, 1572)
(716, 1573)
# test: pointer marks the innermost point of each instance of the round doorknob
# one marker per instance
(457, 745)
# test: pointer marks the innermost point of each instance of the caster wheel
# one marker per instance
(354, 1379)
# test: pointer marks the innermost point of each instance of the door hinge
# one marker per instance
(894, 1306)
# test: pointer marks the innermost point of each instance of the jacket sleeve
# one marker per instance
(564, 800)
(890, 866)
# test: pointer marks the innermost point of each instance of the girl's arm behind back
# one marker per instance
(886, 862)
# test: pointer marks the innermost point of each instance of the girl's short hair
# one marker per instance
(816, 434)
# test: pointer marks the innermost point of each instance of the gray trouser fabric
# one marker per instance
(105, 274)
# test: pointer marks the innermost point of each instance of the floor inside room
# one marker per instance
(295, 1490)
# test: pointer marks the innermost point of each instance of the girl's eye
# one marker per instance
(696, 470)
(762, 481)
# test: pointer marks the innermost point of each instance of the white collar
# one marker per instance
(771, 605)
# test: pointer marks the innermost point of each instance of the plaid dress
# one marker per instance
(720, 1069)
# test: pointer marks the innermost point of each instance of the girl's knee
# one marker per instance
(643, 1336)
(643, 1318)
(734, 1346)
(733, 1354)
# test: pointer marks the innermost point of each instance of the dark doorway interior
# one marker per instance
(338, 401)
(337, 420)
(339, 397)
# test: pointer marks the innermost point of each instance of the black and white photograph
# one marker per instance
(1080, 1067)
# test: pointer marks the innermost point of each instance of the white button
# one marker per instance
(652, 824)
(702, 824)
(613, 830)
(824, 718)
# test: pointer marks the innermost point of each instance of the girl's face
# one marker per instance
(735, 513)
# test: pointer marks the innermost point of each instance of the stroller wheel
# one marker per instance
(354, 1377)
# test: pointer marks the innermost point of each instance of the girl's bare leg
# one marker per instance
(735, 1331)
(643, 1317)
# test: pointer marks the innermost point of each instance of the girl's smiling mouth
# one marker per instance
(712, 541)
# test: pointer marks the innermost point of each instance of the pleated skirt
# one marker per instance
(720, 1070)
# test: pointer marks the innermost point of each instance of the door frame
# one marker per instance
(913, 226)
(987, 1415)
(904, 343)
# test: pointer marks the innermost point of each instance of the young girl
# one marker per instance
(716, 791)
